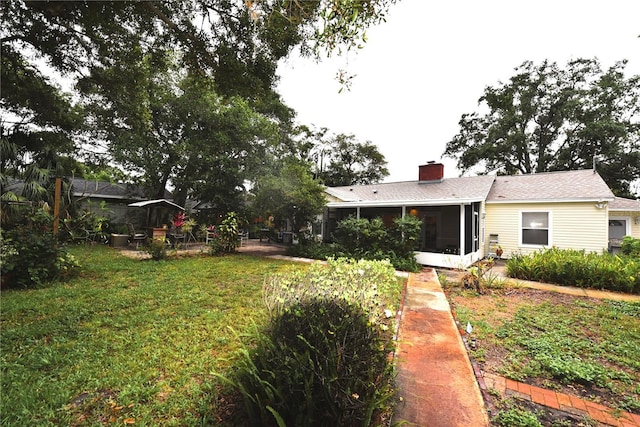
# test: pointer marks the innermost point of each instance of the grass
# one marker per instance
(579, 344)
(128, 341)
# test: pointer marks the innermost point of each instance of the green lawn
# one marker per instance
(127, 341)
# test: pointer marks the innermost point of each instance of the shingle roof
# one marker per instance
(622, 204)
(580, 185)
(109, 190)
(557, 186)
(449, 190)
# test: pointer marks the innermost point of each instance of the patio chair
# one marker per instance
(176, 236)
(134, 237)
(210, 234)
(243, 236)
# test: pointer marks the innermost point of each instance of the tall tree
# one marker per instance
(37, 125)
(345, 161)
(236, 43)
(180, 131)
(290, 194)
(546, 118)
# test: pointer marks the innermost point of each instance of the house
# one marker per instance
(465, 219)
(106, 198)
(93, 195)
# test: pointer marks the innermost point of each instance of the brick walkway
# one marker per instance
(437, 384)
(560, 401)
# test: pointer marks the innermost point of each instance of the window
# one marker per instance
(535, 228)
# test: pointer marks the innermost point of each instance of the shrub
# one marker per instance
(359, 235)
(324, 357)
(630, 246)
(371, 240)
(31, 254)
(228, 233)
(157, 249)
(314, 250)
(577, 268)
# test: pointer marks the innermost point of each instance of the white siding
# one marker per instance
(573, 226)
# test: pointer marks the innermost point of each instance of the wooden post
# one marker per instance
(56, 206)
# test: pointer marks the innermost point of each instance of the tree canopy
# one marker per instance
(169, 91)
(290, 194)
(548, 118)
(345, 161)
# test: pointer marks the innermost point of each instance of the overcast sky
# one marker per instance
(430, 62)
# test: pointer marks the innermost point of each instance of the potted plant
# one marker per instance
(499, 251)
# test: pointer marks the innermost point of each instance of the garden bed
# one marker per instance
(576, 345)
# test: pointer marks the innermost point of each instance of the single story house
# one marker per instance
(92, 195)
(466, 219)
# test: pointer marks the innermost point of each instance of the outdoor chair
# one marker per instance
(210, 234)
(134, 237)
(243, 236)
(80, 236)
(175, 237)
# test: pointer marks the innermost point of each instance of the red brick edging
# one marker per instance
(560, 401)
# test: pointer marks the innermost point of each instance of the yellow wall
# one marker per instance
(573, 226)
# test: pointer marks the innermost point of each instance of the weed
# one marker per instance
(586, 344)
(516, 417)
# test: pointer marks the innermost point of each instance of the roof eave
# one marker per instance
(392, 203)
(567, 200)
(106, 196)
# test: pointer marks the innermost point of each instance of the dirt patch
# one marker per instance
(498, 306)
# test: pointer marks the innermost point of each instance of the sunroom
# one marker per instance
(450, 211)
(450, 235)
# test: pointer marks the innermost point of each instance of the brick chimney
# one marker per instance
(432, 171)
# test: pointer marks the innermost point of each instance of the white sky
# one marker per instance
(430, 62)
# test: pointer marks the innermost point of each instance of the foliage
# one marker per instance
(554, 351)
(157, 249)
(384, 244)
(371, 239)
(344, 161)
(585, 344)
(178, 219)
(404, 235)
(577, 268)
(31, 254)
(516, 417)
(228, 232)
(86, 224)
(163, 327)
(313, 249)
(290, 195)
(546, 118)
(324, 358)
(168, 98)
(37, 125)
(189, 124)
(630, 246)
(478, 275)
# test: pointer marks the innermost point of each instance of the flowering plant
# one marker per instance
(179, 219)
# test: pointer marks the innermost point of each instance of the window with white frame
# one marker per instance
(535, 228)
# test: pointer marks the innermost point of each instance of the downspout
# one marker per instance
(462, 230)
